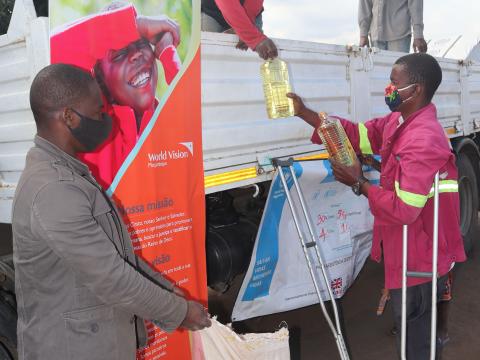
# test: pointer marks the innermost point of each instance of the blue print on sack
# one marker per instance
(266, 256)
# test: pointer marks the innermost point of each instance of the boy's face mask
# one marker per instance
(392, 96)
(92, 133)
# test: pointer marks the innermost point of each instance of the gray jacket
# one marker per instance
(388, 20)
(79, 285)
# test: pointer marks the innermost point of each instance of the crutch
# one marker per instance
(336, 330)
(419, 274)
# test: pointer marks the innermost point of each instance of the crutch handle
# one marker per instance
(419, 274)
(282, 163)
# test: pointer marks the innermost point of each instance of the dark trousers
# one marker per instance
(419, 311)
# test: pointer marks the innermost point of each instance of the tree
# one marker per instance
(6, 8)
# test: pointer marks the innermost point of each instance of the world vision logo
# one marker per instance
(160, 159)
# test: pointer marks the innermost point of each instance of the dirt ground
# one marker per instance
(366, 333)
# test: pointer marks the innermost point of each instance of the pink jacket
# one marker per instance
(412, 152)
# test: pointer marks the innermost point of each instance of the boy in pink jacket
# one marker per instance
(413, 148)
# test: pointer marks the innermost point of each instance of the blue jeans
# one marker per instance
(401, 45)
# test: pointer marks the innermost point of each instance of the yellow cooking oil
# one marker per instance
(276, 85)
(335, 140)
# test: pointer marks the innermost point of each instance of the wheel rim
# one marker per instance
(466, 203)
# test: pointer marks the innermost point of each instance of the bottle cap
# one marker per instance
(323, 115)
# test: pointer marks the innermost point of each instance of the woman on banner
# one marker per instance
(120, 48)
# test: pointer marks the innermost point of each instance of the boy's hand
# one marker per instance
(347, 175)
(298, 105)
(300, 110)
(165, 41)
(153, 28)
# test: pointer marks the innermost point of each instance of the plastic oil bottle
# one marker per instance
(335, 140)
(275, 87)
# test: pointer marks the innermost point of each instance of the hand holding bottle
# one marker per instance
(298, 105)
(267, 49)
(345, 174)
(303, 112)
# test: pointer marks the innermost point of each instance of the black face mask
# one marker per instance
(92, 133)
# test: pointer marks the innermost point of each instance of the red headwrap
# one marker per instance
(87, 40)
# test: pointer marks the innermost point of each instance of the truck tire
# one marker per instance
(468, 192)
(8, 325)
(8, 310)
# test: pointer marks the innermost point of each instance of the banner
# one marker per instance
(278, 278)
(145, 56)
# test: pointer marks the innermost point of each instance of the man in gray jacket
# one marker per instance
(390, 22)
(80, 288)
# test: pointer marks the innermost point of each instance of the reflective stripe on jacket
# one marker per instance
(412, 152)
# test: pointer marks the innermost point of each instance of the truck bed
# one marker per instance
(238, 138)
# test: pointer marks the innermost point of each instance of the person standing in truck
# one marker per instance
(124, 63)
(390, 24)
(81, 291)
(244, 18)
(413, 147)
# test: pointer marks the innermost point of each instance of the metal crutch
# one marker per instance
(433, 275)
(336, 330)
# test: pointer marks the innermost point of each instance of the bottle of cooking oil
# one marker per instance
(335, 140)
(275, 87)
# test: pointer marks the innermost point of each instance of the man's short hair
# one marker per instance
(424, 69)
(58, 86)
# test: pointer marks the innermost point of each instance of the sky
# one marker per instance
(335, 22)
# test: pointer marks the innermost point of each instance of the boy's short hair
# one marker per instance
(424, 69)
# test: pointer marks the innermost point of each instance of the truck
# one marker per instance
(239, 142)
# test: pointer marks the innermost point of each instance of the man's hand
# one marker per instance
(241, 45)
(363, 41)
(347, 175)
(153, 28)
(419, 45)
(196, 318)
(267, 49)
